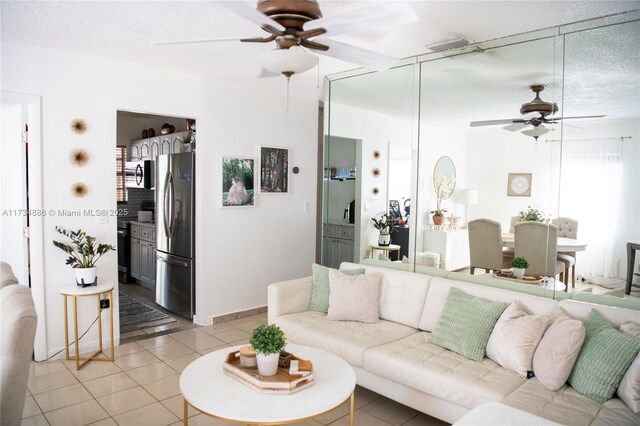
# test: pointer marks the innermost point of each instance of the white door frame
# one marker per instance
(33, 103)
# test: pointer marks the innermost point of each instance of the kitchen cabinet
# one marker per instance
(143, 253)
(338, 244)
(150, 148)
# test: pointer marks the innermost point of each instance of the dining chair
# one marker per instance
(538, 243)
(567, 228)
(512, 224)
(485, 246)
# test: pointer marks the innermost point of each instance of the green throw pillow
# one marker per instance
(320, 290)
(605, 356)
(466, 324)
(383, 258)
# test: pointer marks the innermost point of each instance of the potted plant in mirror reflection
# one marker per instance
(267, 341)
(83, 253)
(384, 224)
(533, 214)
(188, 143)
(519, 266)
(444, 188)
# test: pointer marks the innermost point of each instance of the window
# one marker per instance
(121, 160)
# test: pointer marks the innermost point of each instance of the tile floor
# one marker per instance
(141, 386)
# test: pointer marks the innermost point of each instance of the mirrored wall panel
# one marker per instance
(521, 154)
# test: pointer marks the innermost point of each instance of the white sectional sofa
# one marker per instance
(392, 357)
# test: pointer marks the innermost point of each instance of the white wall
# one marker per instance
(238, 251)
(437, 141)
(493, 153)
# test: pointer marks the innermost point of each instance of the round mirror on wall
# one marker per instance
(444, 177)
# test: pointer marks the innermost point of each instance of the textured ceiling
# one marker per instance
(601, 76)
(126, 30)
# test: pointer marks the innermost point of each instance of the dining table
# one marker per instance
(565, 245)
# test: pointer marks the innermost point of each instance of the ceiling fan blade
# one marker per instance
(265, 73)
(495, 122)
(377, 16)
(357, 55)
(574, 118)
(250, 14)
(198, 41)
(515, 127)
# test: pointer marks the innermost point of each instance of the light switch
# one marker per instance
(305, 206)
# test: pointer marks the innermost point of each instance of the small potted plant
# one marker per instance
(267, 341)
(188, 143)
(532, 214)
(83, 254)
(518, 266)
(384, 224)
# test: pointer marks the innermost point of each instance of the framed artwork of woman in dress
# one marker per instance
(238, 181)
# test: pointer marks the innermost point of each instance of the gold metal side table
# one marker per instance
(75, 292)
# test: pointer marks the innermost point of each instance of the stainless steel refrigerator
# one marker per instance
(175, 233)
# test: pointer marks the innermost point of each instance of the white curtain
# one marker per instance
(591, 177)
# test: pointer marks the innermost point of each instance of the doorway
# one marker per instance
(22, 207)
(142, 140)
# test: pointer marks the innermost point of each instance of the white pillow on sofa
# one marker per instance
(354, 298)
(558, 349)
(514, 339)
(629, 388)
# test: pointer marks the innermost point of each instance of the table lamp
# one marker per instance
(466, 197)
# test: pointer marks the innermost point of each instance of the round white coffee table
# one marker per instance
(206, 388)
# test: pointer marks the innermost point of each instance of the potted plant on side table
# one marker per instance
(519, 266)
(83, 254)
(384, 224)
(267, 341)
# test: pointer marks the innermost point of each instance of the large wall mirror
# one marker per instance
(577, 176)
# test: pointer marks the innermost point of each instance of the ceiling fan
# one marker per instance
(534, 113)
(297, 26)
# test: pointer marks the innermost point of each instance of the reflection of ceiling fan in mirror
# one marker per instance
(534, 113)
(292, 24)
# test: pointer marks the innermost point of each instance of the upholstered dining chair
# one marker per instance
(538, 243)
(485, 246)
(567, 228)
(512, 224)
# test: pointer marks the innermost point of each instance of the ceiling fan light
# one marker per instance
(293, 60)
(536, 132)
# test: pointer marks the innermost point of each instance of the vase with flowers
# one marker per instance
(384, 224)
(443, 188)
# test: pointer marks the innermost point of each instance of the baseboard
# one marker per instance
(229, 317)
(85, 348)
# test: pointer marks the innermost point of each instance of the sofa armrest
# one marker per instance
(288, 297)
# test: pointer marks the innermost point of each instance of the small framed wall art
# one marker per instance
(519, 185)
(238, 181)
(274, 170)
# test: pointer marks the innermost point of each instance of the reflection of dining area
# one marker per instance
(548, 248)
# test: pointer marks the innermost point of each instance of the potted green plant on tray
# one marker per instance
(267, 341)
(384, 224)
(519, 266)
(83, 254)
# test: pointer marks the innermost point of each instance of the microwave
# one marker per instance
(140, 174)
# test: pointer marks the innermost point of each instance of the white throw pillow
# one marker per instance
(353, 298)
(558, 349)
(514, 339)
(629, 388)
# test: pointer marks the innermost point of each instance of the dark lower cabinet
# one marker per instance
(400, 236)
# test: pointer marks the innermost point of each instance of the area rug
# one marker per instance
(136, 315)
